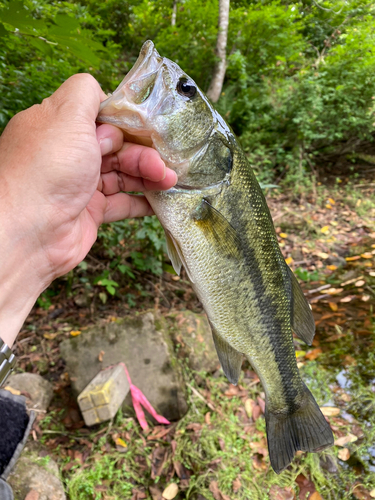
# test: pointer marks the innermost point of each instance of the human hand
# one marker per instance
(55, 189)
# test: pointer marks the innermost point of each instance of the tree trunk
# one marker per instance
(174, 13)
(217, 81)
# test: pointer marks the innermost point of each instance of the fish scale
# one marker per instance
(219, 228)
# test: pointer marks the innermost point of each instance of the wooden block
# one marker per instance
(104, 395)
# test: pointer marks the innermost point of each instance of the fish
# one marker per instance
(219, 228)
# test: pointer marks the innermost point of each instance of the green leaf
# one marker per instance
(19, 18)
(3, 31)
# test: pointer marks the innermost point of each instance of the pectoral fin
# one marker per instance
(302, 318)
(230, 359)
(218, 229)
(175, 255)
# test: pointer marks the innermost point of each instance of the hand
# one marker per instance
(55, 189)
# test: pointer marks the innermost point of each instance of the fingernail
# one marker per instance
(105, 146)
(165, 171)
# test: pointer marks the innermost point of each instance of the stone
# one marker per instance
(143, 344)
(37, 390)
(192, 335)
(104, 395)
(36, 474)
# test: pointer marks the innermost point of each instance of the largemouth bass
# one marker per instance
(218, 226)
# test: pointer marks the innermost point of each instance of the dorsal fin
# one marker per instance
(302, 318)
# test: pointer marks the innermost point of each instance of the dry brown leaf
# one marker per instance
(306, 487)
(207, 418)
(313, 354)
(236, 486)
(278, 493)
(361, 493)
(350, 259)
(330, 411)
(315, 496)
(344, 454)
(342, 441)
(155, 493)
(333, 306)
(217, 494)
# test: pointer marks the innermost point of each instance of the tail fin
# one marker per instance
(306, 429)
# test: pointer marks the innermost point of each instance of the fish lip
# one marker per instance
(124, 101)
(147, 53)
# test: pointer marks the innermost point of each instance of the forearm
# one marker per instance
(21, 283)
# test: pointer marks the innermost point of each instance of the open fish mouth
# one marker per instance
(128, 107)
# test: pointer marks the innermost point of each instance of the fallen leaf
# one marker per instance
(329, 206)
(120, 442)
(313, 354)
(75, 333)
(349, 282)
(306, 486)
(170, 491)
(360, 283)
(100, 356)
(322, 255)
(332, 267)
(372, 273)
(278, 493)
(361, 493)
(10, 389)
(283, 235)
(372, 493)
(334, 291)
(333, 306)
(155, 493)
(332, 201)
(342, 441)
(249, 407)
(344, 454)
(350, 259)
(325, 230)
(315, 496)
(217, 494)
(366, 255)
(236, 486)
(348, 298)
(289, 260)
(330, 411)
(207, 418)
(50, 336)
(159, 457)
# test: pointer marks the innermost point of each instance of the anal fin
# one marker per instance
(302, 318)
(230, 359)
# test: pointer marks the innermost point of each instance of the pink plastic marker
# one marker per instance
(139, 399)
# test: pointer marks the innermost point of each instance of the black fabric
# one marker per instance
(13, 424)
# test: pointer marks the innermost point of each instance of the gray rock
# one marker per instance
(38, 391)
(143, 344)
(38, 474)
(192, 334)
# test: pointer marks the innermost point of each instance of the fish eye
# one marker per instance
(185, 88)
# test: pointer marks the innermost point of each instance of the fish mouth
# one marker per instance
(128, 107)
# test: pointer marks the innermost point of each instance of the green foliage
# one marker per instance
(299, 86)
